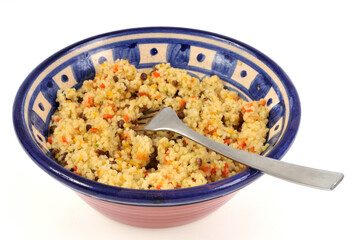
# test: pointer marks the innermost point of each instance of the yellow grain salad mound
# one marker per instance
(91, 132)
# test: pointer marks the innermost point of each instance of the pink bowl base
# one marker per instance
(156, 217)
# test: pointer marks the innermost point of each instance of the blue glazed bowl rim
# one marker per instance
(152, 197)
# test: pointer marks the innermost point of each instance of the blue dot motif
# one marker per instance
(276, 128)
(41, 106)
(41, 140)
(201, 57)
(101, 60)
(49, 84)
(64, 78)
(269, 102)
(153, 51)
(243, 73)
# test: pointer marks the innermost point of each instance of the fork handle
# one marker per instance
(307, 176)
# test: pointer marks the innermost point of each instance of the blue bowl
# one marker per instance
(242, 68)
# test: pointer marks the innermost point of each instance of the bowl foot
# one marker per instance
(156, 217)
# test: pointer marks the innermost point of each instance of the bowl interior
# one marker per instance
(242, 68)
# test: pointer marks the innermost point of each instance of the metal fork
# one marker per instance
(166, 119)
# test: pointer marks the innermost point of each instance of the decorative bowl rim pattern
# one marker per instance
(152, 197)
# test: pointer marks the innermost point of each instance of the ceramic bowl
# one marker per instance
(241, 67)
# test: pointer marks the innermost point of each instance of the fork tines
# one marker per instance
(147, 115)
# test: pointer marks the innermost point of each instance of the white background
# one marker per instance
(317, 43)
